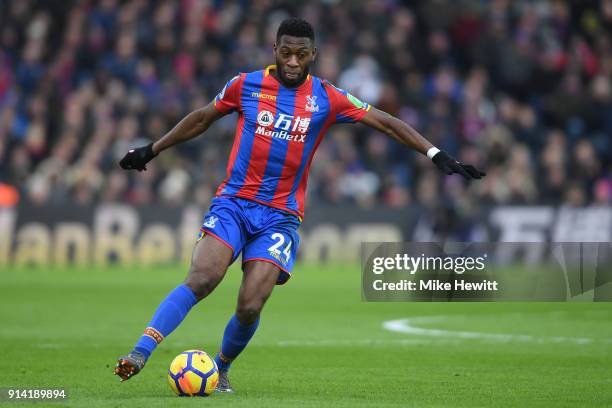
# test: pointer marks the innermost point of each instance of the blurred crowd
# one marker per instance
(520, 88)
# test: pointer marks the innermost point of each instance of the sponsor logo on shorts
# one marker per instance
(278, 257)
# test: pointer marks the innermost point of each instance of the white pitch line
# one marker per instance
(410, 326)
(359, 342)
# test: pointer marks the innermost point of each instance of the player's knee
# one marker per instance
(203, 279)
(248, 314)
(200, 285)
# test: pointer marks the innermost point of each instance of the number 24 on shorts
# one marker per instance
(276, 247)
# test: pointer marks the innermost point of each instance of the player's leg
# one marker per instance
(258, 280)
(267, 261)
(209, 263)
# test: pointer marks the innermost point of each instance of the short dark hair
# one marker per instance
(295, 27)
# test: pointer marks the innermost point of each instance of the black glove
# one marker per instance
(138, 158)
(449, 165)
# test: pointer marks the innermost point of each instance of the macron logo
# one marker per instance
(283, 135)
(263, 96)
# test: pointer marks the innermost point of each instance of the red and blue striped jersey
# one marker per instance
(278, 132)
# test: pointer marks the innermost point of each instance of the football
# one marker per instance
(193, 374)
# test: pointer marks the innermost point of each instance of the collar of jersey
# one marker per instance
(272, 67)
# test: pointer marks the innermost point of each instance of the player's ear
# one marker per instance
(314, 53)
(274, 48)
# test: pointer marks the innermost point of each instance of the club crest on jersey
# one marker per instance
(265, 118)
(210, 223)
(311, 105)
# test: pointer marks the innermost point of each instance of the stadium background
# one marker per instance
(519, 88)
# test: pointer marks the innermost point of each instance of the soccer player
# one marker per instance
(283, 114)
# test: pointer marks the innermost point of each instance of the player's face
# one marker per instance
(293, 58)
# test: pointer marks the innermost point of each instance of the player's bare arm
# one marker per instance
(407, 135)
(192, 125)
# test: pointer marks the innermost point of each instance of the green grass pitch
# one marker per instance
(318, 344)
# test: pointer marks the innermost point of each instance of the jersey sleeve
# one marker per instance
(345, 107)
(228, 100)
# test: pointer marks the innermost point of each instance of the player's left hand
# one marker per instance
(449, 165)
(137, 158)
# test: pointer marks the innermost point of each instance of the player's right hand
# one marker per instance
(136, 159)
